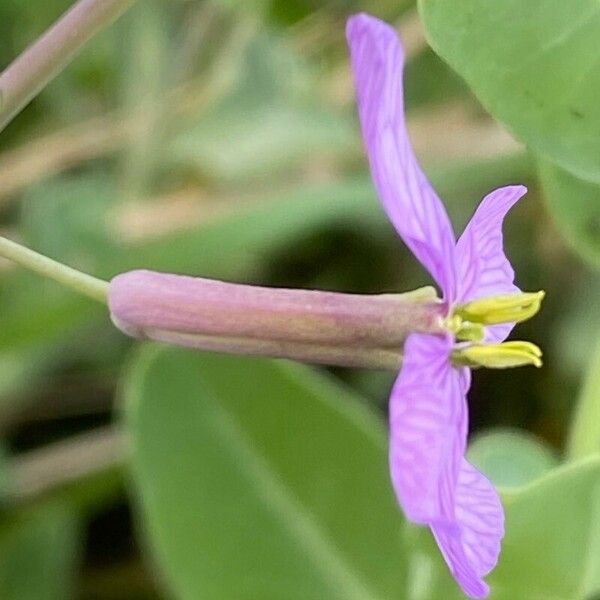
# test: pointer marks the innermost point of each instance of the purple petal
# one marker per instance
(479, 512)
(482, 267)
(428, 427)
(407, 197)
(471, 543)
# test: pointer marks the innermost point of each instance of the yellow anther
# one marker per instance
(498, 356)
(513, 308)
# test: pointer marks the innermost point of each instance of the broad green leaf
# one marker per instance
(585, 429)
(575, 206)
(511, 458)
(38, 555)
(546, 551)
(261, 479)
(533, 65)
(551, 547)
(590, 585)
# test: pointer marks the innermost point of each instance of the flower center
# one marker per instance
(467, 323)
(465, 331)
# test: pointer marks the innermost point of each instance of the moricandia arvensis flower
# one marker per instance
(433, 481)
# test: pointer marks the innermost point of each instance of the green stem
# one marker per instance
(584, 437)
(76, 280)
(51, 53)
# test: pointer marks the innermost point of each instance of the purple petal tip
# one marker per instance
(380, 32)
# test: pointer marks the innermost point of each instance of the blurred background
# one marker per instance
(220, 139)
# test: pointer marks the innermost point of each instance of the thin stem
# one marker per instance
(51, 53)
(76, 280)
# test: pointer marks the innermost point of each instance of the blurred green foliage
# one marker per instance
(220, 139)
(533, 65)
(40, 550)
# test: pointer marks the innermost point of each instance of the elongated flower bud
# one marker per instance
(308, 325)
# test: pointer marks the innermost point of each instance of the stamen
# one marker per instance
(470, 332)
(513, 308)
(464, 331)
(498, 356)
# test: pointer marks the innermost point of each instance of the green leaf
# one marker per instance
(584, 436)
(38, 555)
(511, 458)
(575, 206)
(533, 65)
(546, 551)
(591, 579)
(261, 479)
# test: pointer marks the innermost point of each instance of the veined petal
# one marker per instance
(407, 197)
(471, 542)
(482, 267)
(479, 512)
(428, 428)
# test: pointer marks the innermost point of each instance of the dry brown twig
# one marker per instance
(47, 469)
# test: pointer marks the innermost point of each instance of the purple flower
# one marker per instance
(433, 481)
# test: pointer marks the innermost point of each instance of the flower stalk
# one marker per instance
(51, 53)
(67, 276)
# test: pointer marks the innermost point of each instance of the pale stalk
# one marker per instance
(71, 278)
(30, 72)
